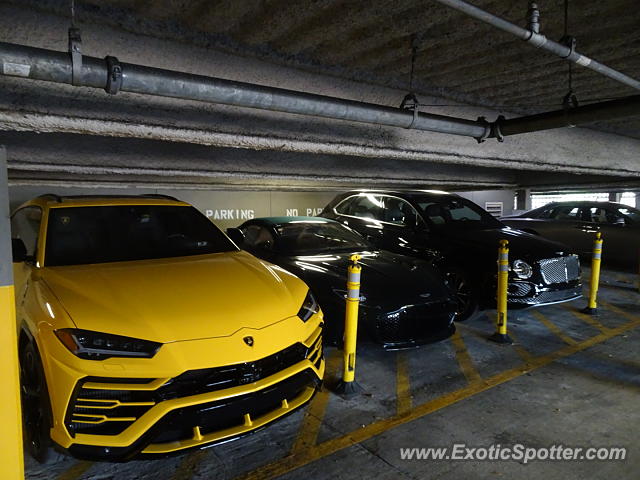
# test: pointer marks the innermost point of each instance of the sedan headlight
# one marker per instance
(522, 269)
(309, 307)
(90, 345)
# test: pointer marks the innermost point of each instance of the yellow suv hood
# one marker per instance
(177, 299)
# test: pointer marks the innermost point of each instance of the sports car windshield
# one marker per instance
(457, 213)
(307, 237)
(101, 234)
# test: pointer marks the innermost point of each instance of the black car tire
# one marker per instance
(465, 293)
(36, 408)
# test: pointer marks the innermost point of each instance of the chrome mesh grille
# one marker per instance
(560, 269)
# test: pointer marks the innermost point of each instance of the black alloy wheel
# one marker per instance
(36, 408)
(464, 294)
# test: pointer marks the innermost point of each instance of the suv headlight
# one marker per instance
(522, 269)
(99, 346)
(309, 307)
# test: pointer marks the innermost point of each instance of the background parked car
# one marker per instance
(404, 301)
(576, 223)
(418, 222)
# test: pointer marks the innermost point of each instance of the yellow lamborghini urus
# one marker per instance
(144, 330)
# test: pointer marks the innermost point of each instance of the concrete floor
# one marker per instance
(569, 379)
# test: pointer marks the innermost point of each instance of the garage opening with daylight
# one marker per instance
(289, 239)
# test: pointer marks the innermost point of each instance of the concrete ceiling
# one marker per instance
(348, 49)
(459, 58)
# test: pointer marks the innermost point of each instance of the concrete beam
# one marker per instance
(39, 107)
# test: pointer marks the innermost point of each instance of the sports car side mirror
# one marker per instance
(19, 250)
(236, 235)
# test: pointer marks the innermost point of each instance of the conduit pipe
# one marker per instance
(113, 76)
(540, 41)
(571, 117)
(51, 66)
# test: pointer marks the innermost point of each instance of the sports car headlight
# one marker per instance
(309, 307)
(522, 269)
(99, 346)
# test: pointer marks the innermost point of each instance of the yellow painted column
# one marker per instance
(592, 307)
(501, 335)
(11, 457)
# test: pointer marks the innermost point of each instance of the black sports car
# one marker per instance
(418, 222)
(404, 301)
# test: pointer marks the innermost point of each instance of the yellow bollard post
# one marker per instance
(592, 307)
(348, 385)
(11, 456)
(501, 336)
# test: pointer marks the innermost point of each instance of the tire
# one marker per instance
(465, 294)
(36, 407)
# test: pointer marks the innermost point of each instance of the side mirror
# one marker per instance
(236, 235)
(19, 250)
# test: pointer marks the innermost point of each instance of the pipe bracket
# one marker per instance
(496, 131)
(75, 50)
(569, 42)
(487, 129)
(114, 75)
(410, 102)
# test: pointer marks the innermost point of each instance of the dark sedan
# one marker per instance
(418, 222)
(404, 301)
(576, 223)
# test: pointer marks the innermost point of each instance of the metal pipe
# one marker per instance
(51, 66)
(540, 41)
(595, 112)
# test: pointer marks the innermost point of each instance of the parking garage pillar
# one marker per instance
(615, 196)
(10, 417)
(523, 199)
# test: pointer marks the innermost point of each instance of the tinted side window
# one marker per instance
(367, 206)
(25, 225)
(565, 213)
(257, 237)
(345, 206)
(399, 212)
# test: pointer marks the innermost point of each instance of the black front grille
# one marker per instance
(229, 413)
(110, 412)
(415, 323)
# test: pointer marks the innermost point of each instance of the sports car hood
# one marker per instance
(521, 243)
(177, 299)
(385, 278)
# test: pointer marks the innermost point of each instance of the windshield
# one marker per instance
(85, 235)
(308, 237)
(455, 213)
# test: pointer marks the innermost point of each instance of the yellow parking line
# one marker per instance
(585, 318)
(312, 420)
(554, 328)
(293, 462)
(464, 359)
(619, 311)
(75, 471)
(188, 466)
(522, 352)
(403, 384)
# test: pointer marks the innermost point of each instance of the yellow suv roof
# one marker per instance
(54, 201)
